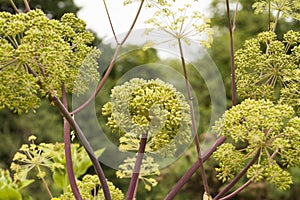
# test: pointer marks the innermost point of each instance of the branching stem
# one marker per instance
(118, 48)
(68, 153)
(237, 190)
(193, 169)
(86, 145)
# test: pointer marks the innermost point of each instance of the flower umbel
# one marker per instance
(38, 55)
(90, 188)
(260, 127)
(155, 107)
(148, 168)
(184, 24)
(268, 68)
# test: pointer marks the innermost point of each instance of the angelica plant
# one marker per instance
(269, 68)
(90, 188)
(153, 107)
(148, 169)
(10, 188)
(283, 8)
(185, 24)
(269, 130)
(38, 55)
(150, 117)
(39, 159)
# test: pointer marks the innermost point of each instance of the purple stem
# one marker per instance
(231, 30)
(137, 167)
(193, 169)
(110, 67)
(194, 126)
(86, 145)
(237, 190)
(68, 153)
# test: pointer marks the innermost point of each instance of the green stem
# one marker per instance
(27, 7)
(14, 6)
(13, 41)
(45, 183)
(276, 21)
(8, 63)
(194, 125)
(269, 15)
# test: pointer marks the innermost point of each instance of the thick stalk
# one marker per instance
(136, 171)
(86, 145)
(68, 153)
(110, 67)
(193, 169)
(194, 125)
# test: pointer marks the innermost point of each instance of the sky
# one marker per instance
(93, 13)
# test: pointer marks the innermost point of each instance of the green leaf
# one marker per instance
(8, 193)
(25, 183)
(82, 162)
(99, 152)
(59, 178)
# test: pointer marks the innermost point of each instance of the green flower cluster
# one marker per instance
(90, 189)
(148, 168)
(270, 130)
(151, 3)
(268, 68)
(185, 24)
(43, 156)
(153, 107)
(39, 55)
(286, 8)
